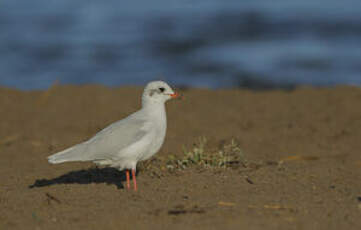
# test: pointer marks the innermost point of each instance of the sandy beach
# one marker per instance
(304, 146)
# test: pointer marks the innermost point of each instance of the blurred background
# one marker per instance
(210, 43)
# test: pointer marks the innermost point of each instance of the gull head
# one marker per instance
(157, 92)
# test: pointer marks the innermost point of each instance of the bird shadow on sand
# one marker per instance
(107, 175)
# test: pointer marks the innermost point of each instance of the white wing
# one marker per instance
(108, 143)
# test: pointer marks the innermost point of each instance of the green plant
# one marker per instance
(229, 154)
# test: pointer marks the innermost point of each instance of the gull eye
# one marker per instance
(161, 89)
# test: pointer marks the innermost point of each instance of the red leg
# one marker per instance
(128, 180)
(134, 180)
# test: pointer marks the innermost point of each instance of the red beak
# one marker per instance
(174, 95)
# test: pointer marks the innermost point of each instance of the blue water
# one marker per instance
(214, 43)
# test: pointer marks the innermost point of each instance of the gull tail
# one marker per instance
(74, 153)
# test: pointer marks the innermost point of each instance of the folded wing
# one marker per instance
(107, 144)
